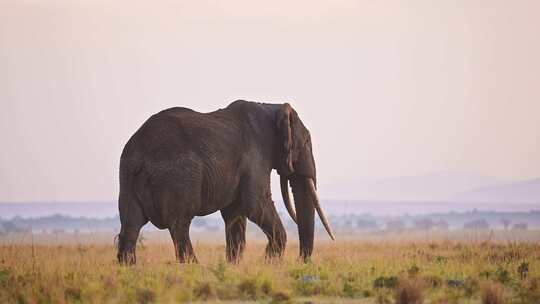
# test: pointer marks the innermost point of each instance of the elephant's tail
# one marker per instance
(136, 188)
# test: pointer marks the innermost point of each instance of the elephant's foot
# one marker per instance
(235, 252)
(190, 259)
(233, 259)
(127, 258)
(275, 250)
(126, 248)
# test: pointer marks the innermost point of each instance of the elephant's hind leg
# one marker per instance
(182, 243)
(132, 220)
(235, 233)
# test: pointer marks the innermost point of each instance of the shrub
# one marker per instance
(72, 294)
(486, 274)
(4, 275)
(413, 271)
(385, 282)
(145, 296)
(529, 292)
(367, 293)
(503, 276)
(471, 286)
(204, 291)
(433, 281)
(348, 290)
(493, 294)
(266, 287)
(382, 298)
(455, 283)
(280, 297)
(441, 259)
(310, 287)
(220, 270)
(248, 287)
(409, 292)
(523, 270)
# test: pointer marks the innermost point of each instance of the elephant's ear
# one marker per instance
(284, 126)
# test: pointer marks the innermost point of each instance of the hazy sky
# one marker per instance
(387, 88)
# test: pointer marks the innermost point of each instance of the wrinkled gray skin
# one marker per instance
(181, 164)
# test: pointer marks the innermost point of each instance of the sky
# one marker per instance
(387, 88)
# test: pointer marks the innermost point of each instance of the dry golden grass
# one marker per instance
(441, 271)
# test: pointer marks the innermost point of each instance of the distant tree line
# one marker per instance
(476, 220)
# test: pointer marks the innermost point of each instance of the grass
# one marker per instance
(351, 271)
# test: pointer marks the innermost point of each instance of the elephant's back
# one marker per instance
(174, 132)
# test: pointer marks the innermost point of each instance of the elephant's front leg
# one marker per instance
(235, 233)
(267, 218)
(182, 243)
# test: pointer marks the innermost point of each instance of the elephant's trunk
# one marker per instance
(306, 202)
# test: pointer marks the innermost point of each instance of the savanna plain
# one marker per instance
(447, 267)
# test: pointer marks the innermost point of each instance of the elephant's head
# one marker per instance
(297, 166)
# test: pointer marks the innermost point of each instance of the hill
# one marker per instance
(438, 186)
(527, 191)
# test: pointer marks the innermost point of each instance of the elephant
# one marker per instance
(181, 163)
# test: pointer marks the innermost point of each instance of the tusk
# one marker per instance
(286, 198)
(319, 210)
